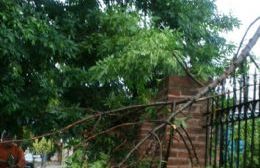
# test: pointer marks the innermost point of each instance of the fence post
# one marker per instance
(177, 88)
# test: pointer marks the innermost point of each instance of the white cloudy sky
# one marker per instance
(246, 11)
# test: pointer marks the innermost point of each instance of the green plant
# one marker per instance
(79, 160)
(102, 162)
(43, 146)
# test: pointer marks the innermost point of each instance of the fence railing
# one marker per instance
(233, 124)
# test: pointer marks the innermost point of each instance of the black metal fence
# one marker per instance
(233, 123)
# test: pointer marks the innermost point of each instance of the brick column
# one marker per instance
(179, 88)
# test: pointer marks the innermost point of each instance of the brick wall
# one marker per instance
(179, 88)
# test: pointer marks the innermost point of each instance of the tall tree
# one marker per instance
(58, 56)
(30, 48)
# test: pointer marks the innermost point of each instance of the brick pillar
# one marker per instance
(179, 88)
(175, 89)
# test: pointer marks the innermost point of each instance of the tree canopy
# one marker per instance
(59, 56)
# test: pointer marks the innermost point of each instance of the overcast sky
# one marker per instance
(246, 11)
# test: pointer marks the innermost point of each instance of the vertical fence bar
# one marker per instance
(232, 119)
(259, 116)
(221, 159)
(253, 120)
(239, 125)
(245, 92)
(227, 128)
(216, 130)
(211, 131)
(207, 131)
(225, 135)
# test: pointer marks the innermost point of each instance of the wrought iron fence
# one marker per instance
(233, 124)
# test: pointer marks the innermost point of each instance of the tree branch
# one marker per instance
(160, 146)
(227, 72)
(185, 68)
(190, 141)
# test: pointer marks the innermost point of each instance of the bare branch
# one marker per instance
(160, 146)
(186, 145)
(244, 36)
(253, 60)
(113, 128)
(190, 141)
(185, 68)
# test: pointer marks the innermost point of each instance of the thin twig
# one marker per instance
(185, 68)
(120, 145)
(56, 131)
(93, 116)
(168, 147)
(160, 146)
(253, 60)
(113, 128)
(186, 145)
(173, 108)
(130, 107)
(244, 36)
(190, 141)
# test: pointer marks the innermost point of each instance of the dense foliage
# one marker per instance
(59, 56)
(30, 47)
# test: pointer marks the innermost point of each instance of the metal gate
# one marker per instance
(233, 123)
